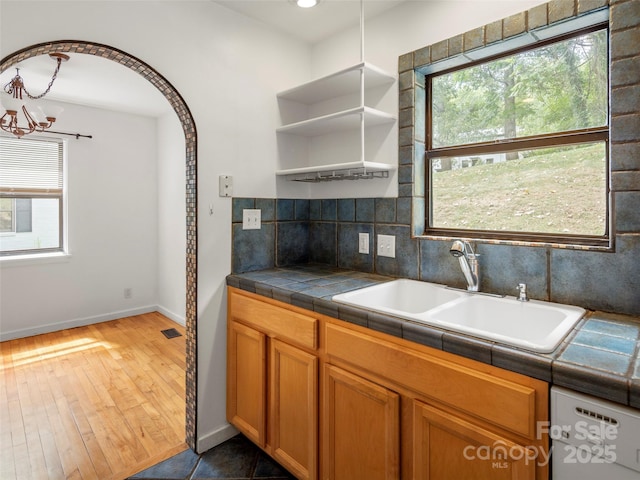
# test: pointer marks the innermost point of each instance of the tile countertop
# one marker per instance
(599, 357)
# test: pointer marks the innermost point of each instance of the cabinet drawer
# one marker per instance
(502, 402)
(278, 322)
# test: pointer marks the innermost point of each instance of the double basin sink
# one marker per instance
(532, 325)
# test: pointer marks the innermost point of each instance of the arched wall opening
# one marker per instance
(188, 125)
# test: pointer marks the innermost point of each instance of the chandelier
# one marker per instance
(35, 121)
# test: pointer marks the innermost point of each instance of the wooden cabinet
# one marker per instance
(361, 428)
(475, 389)
(246, 388)
(453, 406)
(380, 407)
(272, 386)
(294, 408)
(446, 447)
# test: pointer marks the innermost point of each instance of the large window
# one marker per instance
(517, 145)
(31, 196)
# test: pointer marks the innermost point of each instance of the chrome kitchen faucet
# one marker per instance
(468, 259)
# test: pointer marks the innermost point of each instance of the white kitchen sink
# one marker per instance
(400, 297)
(533, 325)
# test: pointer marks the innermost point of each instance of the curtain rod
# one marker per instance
(77, 135)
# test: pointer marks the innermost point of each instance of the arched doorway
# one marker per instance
(189, 129)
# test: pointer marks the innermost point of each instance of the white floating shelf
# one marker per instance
(345, 83)
(338, 84)
(339, 121)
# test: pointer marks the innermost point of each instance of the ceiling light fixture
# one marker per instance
(306, 3)
(36, 121)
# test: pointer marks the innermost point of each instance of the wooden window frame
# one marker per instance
(563, 138)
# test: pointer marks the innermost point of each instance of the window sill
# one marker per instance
(606, 246)
(36, 259)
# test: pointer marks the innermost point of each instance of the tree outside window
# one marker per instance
(519, 143)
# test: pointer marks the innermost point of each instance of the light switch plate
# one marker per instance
(251, 219)
(363, 243)
(387, 246)
(225, 185)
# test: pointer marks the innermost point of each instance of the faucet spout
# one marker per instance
(472, 280)
(468, 260)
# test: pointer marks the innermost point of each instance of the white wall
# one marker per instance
(411, 25)
(112, 225)
(228, 69)
(171, 236)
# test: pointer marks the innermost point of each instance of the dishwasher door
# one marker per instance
(593, 439)
(565, 467)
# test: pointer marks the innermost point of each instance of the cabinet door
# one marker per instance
(360, 428)
(246, 381)
(293, 421)
(447, 447)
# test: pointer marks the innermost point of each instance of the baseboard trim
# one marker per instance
(210, 440)
(78, 322)
(173, 316)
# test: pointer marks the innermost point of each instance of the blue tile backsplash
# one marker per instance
(326, 232)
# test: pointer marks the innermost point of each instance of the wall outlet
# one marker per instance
(387, 246)
(128, 293)
(363, 243)
(251, 219)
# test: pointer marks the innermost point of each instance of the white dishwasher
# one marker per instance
(593, 439)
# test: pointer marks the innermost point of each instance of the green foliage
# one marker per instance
(555, 88)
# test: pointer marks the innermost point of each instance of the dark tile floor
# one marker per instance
(237, 459)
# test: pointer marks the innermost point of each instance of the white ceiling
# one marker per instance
(309, 24)
(93, 81)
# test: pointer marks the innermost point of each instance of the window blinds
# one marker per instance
(30, 167)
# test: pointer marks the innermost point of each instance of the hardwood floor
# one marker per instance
(98, 402)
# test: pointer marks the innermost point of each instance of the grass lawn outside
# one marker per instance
(556, 192)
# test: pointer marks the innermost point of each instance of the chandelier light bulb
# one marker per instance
(38, 115)
(10, 103)
(51, 111)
